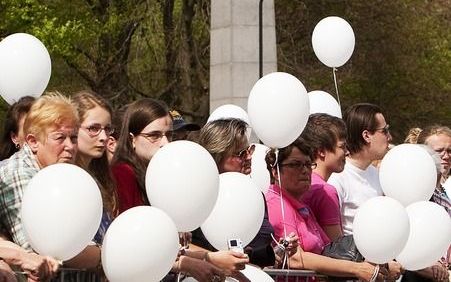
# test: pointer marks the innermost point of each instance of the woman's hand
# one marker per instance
(229, 261)
(201, 270)
(6, 273)
(440, 273)
(366, 271)
(39, 267)
(394, 270)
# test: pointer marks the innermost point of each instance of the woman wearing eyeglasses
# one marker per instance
(226, 140)
(146, 127)
(95, 128)
(290, 177)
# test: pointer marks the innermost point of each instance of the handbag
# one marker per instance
(343, 248)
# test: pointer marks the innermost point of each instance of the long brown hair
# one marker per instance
(137, 116)
(98, 168)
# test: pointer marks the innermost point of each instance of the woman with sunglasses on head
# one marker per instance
(291, 177)
(226, 140)
(146, 127)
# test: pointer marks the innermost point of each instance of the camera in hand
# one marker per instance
(236, 245)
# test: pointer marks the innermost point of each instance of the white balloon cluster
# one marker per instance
(404, 225)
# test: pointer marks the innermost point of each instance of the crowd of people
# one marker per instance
(317, 183)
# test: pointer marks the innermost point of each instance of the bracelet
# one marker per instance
(206, 258)
(375, 273)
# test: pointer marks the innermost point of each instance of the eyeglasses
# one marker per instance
(442, 152)
(155, 136)
(385, 130)
(96, 128)
(245, 152)
(300, 165)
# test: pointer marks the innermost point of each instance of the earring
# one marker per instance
(17, 146)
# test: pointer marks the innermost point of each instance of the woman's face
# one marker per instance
(441, 143)
(94, 132)
(154, 136)
(295, 173)
(239, 161)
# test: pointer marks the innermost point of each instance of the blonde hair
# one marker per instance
(412, 136)
(223, 137)
(432, 130)
(50, 111)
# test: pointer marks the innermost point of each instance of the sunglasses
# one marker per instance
(245, 152)
(385, 130)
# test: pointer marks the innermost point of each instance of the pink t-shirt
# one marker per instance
(298, 219)
(322, 198)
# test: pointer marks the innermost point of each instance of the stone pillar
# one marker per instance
(234, 64)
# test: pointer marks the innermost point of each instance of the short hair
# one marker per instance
(223, 137)
(284, 153)
(50, 111)
(323, 131)
(11, 125)
(136, 117)
(358, 118)
(435, 129)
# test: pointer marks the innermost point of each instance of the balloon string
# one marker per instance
(334, 70)
(282, 208)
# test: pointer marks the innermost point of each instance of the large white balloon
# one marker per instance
(61, 210)
(408, 174)
(183, 180)
(381, 229)
(447, 187)
(228, 111)
(140, 245)
(323, 102)
(430, 235)
(333, 41)
(238, 213)
(25, 67)
(253, 274)
(278, 108)
(259, 173)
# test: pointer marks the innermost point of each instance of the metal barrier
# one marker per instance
(69, 275)
(294, 275)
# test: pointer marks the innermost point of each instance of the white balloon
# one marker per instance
(333, 41)
(141, 244)
(259, 172)
(25, 67)
(61, 210)
(254, 274)
(381, 229)
(238, 213)
(323, 102)
(278, 108)
(408, 174)
(228, 111)
(430, 235)
(447, 187)
(183, 180)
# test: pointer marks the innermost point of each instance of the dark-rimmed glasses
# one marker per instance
(300, 165)
(385, 130)
(245, 152)
(155, 136)
(95, 129)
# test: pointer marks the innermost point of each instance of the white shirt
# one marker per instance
(354, 187)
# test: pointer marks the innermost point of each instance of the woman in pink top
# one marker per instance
(295, 168)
